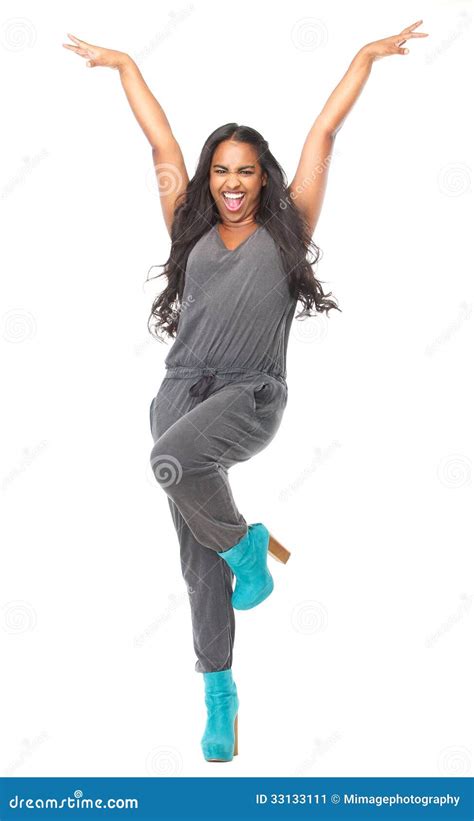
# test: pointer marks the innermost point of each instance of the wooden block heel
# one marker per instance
(280, 553)
(236, 735)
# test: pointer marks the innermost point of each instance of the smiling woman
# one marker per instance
(238, 189)
(236, 160)
(240, 236)
(233, 195)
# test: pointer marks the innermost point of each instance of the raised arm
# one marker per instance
(170, 169)
(167, 157)
(309, 183)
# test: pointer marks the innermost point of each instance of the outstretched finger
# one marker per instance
(410, 33)
(398, 41)
(80, 43)
(413, 26)
(80, 51)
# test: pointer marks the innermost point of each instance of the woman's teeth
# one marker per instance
(233, 201)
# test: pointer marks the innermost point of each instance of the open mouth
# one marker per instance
(233, 201)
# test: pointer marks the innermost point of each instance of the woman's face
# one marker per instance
(235, 169)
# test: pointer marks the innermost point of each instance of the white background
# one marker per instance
(357, 665)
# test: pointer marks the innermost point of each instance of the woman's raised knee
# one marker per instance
(166, 464)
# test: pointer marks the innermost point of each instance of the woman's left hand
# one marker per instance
(392, 45)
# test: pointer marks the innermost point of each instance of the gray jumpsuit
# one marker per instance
(221, 402)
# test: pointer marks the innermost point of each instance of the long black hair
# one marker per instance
(195, 212)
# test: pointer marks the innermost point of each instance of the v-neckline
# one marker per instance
(233, 250)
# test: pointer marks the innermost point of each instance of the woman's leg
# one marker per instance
(192, 457)
(207, 577)
(209, 583)
(239, 420)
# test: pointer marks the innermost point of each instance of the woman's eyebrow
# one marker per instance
(219, 165)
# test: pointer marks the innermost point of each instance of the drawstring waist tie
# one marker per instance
(203, 385)
(208, 375)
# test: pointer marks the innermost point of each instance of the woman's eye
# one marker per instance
(221, 171)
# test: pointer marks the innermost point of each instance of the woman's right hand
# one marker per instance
(96, 55)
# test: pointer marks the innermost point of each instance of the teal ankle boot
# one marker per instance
(248, 560)
(219, 742)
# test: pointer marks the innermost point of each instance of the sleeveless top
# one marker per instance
(236, 308)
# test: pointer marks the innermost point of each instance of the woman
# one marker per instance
(237, 268)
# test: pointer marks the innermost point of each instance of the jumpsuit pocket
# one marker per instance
(269, 398)
(260, 397)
